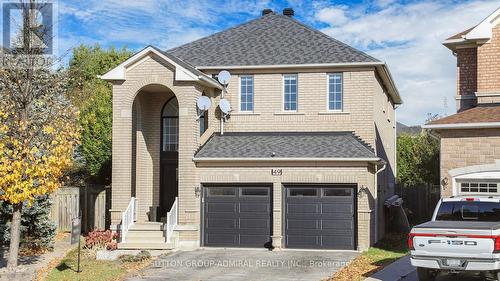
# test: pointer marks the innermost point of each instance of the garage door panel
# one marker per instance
(254, 208)
(293, 224)
(302, 241)
(221, 207)
(237, 216)
(320, 217)
(296, 208)
(254, 223)
(336, 208)
(221, 238)
(338, 225)
(221, 223)
(257, 240)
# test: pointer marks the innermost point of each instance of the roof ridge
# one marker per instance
(329, 37)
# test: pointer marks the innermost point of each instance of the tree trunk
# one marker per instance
(15, 233)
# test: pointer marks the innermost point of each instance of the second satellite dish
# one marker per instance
(225, 106)
(204, 103)
(224, 76)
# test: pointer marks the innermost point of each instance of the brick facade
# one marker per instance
(464, 148)
(466, 71)
(137, 104)
(488, 64)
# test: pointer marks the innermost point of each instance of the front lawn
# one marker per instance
(388, 250)
(92, 269)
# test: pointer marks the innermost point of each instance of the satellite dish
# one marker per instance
(204, 103)
(224, 77)
(225, 106)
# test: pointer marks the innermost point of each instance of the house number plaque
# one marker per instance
(276, 172)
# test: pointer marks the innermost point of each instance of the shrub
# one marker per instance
(37, 229)
(101, 240)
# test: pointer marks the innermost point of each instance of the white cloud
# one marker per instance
(164, 23)
(408, 37)
(332, 15)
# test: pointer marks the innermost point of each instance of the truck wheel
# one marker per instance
(426, 274)
(498, 275)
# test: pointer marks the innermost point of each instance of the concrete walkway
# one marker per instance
(29, 266)
(248, 265)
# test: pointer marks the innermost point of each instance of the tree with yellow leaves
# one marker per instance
(37, 133)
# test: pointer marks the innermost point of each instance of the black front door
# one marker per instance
(169, 156)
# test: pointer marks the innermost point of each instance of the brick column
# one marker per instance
(122, 160)
(277, 238)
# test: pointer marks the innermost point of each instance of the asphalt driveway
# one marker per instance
(248, 265)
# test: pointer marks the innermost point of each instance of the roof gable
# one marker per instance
(272, 39)
(183, 71)
(479, 33)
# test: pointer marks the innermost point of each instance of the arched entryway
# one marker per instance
(169, 156)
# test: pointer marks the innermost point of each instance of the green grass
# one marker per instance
(91, 269)
(388, 250)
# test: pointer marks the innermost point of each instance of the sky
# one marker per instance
(406, 34)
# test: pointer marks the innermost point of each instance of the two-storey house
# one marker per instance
(304, 159)
(470, 139)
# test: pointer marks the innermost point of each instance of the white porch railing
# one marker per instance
(172, 216)
(128, 218)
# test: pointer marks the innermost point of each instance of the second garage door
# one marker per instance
(321, 217)
(237, 216)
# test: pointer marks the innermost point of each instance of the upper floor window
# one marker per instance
(170, 125)
(335, 91)
(290, 92)
(246, 93)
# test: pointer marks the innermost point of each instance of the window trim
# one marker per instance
(328, 92)
(283, 92)
(253, 93)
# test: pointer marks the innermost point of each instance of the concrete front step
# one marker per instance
(147, 226)
(146, 246)
(132, 239)
(145, 233)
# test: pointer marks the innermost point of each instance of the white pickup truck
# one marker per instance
(463, 235)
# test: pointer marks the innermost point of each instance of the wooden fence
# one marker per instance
(419, 201)
(91, 201)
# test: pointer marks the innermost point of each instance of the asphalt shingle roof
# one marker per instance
(285, 145)
(480, 114)
(272, 39)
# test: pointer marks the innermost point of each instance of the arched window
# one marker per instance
(170, 125)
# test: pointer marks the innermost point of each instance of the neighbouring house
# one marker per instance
(305, 159)
(470, 139)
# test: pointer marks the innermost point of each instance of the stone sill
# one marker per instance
(334, 113)
(289, 113)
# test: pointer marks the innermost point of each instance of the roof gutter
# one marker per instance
(210, 82)
(481, 125)
(290, 159)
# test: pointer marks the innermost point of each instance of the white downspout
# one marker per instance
(222, 113)
(376, 202)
